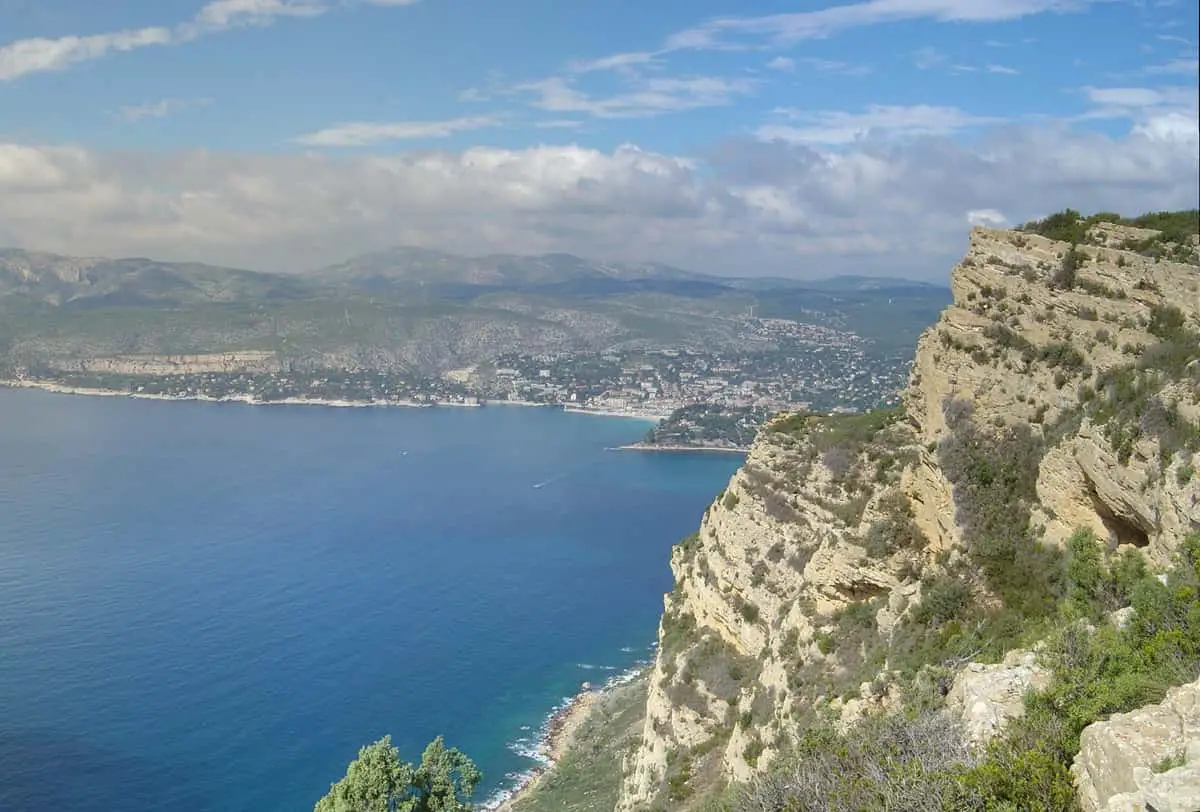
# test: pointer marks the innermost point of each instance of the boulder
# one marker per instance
(986, 696)
(1132, 761)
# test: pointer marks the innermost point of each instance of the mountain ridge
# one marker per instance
(448, 313)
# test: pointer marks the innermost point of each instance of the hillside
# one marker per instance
(1045, 455)
(412, 310)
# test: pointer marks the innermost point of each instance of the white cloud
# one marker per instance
(786, 28)
(842, 127)
(928, 57)
(787, 65)
(622, 61)
(1125, 96)
(836, 66)
(987, 217)
(363, 133)
(1002, 69)
(895, 207)
(1155, 110)
(1184, 67)
(159, 109)
(1171, 127)
(219, 15)
(646, 96)
(39, 55)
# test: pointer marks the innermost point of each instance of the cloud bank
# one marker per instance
(793, 206)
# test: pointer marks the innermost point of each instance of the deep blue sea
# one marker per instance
(210, 607)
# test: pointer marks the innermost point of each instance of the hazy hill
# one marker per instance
(418, 309)
(418, 265)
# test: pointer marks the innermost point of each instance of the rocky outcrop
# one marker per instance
(805, 569)
(987, 696)
(1148, 759)
(1024, 350)
(778, 555)
(248, 361)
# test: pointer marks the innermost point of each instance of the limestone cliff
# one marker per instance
(1062, 384)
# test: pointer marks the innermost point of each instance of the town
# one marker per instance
(703, 399)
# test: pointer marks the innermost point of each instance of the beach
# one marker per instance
(649, 417)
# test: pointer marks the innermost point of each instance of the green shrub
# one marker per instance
(747, 610)
(917, 759)
(1066, 225)
(1064, 277)
(1184, 473)
(943, 598)
(884, 762)
(995, 484)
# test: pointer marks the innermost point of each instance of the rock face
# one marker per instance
(826, 538)
(1148, 759)
(176, 364)
(987, 696)
(1024, 350)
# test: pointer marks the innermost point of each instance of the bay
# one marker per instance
(212, 606)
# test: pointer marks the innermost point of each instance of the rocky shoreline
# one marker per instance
(556, 738)
(720, 449)
(250, 400)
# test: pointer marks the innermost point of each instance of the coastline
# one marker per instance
(559, 732)
(679, 449)
(648, 417)
(250, 400)
(556, 737)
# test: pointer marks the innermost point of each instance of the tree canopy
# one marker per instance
(443, 782)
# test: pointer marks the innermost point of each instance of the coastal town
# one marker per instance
(700, 399)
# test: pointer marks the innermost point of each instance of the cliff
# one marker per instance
(1059, 391)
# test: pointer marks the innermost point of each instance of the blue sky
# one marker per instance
(791, 137)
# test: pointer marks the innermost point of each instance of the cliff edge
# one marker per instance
(1059, 392)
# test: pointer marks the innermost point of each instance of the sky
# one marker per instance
(800, 138)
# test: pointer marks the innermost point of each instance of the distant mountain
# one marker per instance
(398, 266)
(420, 309)
(61, 280)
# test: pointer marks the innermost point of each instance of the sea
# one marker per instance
(212, 606)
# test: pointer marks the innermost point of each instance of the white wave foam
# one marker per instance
(536, 747)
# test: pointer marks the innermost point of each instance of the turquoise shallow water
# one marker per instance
(211, 606)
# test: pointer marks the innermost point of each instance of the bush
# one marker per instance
(885, 762)
(1065, 225)
(995, 477)
(1095, 675)
(943, 598)
(748, 611)
(896, 530)
(917, 759)
(1064, 277)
